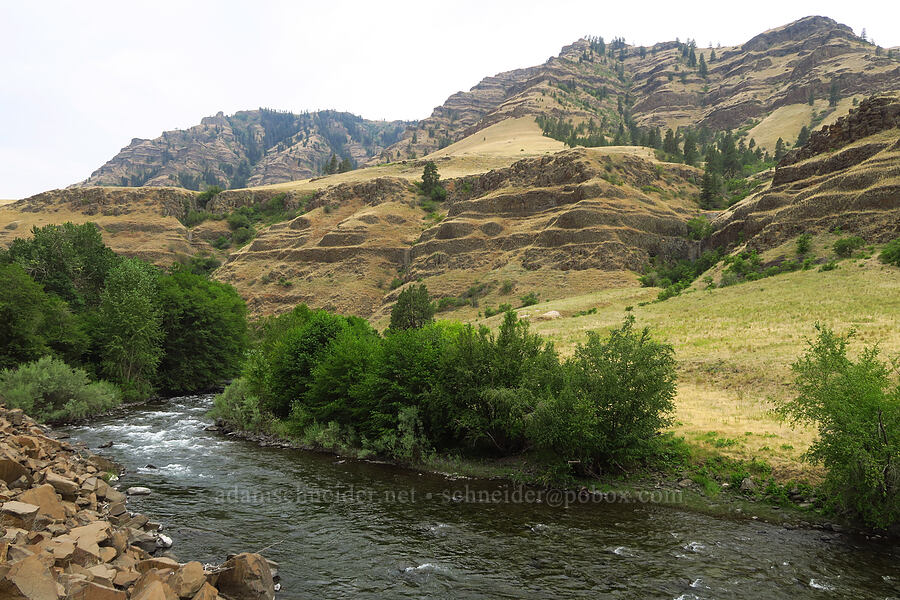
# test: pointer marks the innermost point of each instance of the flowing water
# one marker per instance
(351, 529)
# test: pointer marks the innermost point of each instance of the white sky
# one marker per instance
(79, 80)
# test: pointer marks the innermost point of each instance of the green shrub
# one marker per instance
(238, 407)
(831, 265)
(222, 242)
(529, 299)
(51, 391)
(242, 235)
(699, 228)
(844, 247)
(507, 287)
(856, 407)
(804, 242)
(238, 220)
(622, 390)
(890, 254)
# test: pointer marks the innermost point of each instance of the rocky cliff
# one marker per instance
(68, 533)
(660, 87)
(249, 148)
(847, 176)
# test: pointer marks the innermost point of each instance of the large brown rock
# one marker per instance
(247, 577)
(67, 488)
(18, 514)
(29, 578)
(45, 497)
(187, 580)
(10, 470)
(95, 591)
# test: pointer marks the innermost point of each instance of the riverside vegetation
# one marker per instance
(422, 391)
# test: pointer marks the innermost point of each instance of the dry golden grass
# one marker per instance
(515, 138)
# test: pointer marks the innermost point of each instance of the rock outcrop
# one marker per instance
(256, 147)
(847, 176)
(67, 533)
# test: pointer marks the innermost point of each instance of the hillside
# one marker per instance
(249, 148)
(808, 72)
(846, 177)
(762, 86)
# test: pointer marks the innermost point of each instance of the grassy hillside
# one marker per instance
(735, 344)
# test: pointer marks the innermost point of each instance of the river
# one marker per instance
(352, 529)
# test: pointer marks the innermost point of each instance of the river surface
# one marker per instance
(352, 529)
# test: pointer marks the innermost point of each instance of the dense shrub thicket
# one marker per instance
(49, 390)
(856, 407)
(440, 386)
(65, 295)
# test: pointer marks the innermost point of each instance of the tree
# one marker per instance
(712, 56)
(130, 327)
(331, 167)
(856, 407)
(430, 177)
(803, 137)
(413, 309)
(704, 70)
(670, 143)
(709, 191)
(34, 323)
(690, 149)
(692, 58)
(345, 165)
(812, 97)
(834, 95)
(205, 332)
(70, 261)
(779, 150)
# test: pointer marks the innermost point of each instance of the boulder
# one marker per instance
(151, 587)
(45, 497)
(18, 514)
(161, 563)
(103, 464)
(187, 580)
(550, 315)
(29, 578)
(11, 470)
(93, 591)
(247, 577)
(748, 485)
(67, 488)
(138, 491)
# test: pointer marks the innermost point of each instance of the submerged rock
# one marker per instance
(138, 491)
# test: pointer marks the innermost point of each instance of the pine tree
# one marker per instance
(708, 191)
(712, 55)
(430, 177)
(812, 97)
(779, 150)
(803, 137)
(690, 149)
(331, 167)
(670, 144)
(704, 71)
(834, 95)
(692, 58)
(345, 165)
(643, 52)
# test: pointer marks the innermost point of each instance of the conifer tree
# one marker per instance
(803, 137)
(779, 150)
(704, 70)
(712, 55)
(834, 95)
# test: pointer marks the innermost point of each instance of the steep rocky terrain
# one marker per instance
(847, 176)
(571, 219)
(659, 87)
(248, 148)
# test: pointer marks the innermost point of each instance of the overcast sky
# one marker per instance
(79, 80)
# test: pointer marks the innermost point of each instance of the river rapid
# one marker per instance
(352, 529)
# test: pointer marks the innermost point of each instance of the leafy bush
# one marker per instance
(529, 299)
(208, 194)
(222, 242)
(242, 235)
(237, 220)
(856, 406)
(890, 255)
(51, 391)
(624, 386)
(844, 247)
(507, 286)
(699, 228)
(237, 406)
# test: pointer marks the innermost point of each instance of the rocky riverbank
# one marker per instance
(67, 532)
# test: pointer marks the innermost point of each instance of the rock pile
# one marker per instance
(67, 533)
